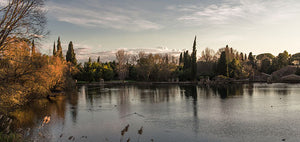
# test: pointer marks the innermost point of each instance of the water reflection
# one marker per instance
(191, 91)
(186, 113)
(226, 91)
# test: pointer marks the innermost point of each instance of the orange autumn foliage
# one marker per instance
(25, 76)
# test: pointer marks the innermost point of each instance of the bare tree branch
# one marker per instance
(22, 19)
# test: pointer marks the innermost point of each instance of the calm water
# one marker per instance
(257, 112)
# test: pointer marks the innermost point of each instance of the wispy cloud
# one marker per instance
(237, 12)
(102, 17)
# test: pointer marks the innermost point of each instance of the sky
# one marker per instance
(101, 27)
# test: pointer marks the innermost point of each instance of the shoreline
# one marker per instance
(233, 82)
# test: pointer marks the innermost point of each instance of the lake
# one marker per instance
(248, 112)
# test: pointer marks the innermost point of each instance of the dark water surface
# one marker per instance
(255, 112)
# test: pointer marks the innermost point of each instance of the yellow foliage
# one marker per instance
(24, 76)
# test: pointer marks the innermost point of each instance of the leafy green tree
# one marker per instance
(283, 59)
(144, 66)
(88, 71)
(265, 65)
(132, 72)
(71, 56)
(265, 55)
(108, 72)
(235, 69)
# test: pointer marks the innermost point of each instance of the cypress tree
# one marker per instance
(242, 56)
(59, 49)
(71, 56)
(250, 57)
(186, 60)
(98, 59)
(180, 58)
(194, 61)
(33, 48)
(227, 53)
(54, 49)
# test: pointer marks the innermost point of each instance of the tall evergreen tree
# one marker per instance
(242, 56)
(186, 60)
(180, 58)
(59, 49)
(33, 48)
(194, 61)
(250, 57)
(54, 49)
(98, 59)
(71, 56)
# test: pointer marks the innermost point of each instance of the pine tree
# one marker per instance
(71, 56)
(33, 48)
(59, 49)
(54, 49)
(194, 61)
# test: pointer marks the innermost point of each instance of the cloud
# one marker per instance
(3, 3)
(85, 51)
(103, 17)
(237, 12)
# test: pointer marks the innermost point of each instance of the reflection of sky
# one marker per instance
(99, 26)
(177, 113)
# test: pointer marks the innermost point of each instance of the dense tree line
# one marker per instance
(226, 62)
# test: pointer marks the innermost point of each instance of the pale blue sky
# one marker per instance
(100, 27)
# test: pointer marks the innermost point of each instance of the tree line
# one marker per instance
(226, 63)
